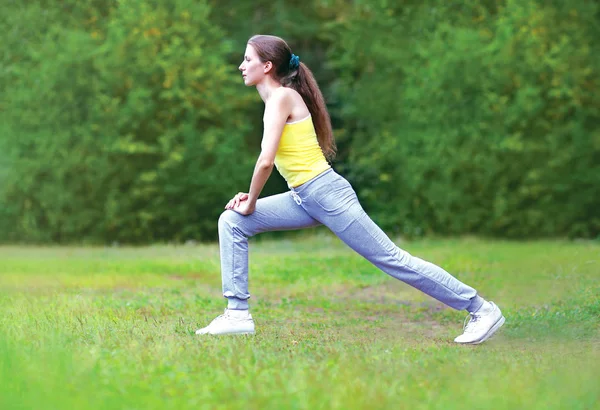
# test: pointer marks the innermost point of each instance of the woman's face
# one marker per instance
(253, 70)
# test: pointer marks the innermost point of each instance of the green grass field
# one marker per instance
(113, 328)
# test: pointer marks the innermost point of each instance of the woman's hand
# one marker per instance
(245, 208)
(240, 204)
(236, 200)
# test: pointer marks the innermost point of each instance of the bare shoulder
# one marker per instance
(288, 104)
(285, 94)
(295, 102)
(278, 97)
(284, 100)
(292, 94)
(279, 105)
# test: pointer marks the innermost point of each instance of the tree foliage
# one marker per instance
(126, 126)
(127, 120)
(493, 128)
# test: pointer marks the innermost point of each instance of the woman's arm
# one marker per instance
(277, 111)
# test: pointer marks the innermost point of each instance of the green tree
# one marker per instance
(491, 125)
(124, 129)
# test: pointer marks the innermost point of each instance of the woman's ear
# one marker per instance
(268, 66)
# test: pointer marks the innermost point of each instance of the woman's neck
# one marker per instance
(266, 87)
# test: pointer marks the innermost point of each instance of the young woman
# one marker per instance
(298, 140)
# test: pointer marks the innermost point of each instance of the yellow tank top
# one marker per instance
(299, 157)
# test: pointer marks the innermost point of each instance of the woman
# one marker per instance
(298, 140)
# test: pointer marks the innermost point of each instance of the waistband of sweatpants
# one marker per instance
(315, 180)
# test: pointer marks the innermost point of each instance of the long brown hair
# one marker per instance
(301, 79)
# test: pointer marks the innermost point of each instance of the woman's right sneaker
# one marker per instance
(482, 325)
(231, 322)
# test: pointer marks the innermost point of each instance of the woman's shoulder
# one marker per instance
(289, 103)
(286, 92)
(288, 97)
(280, 95)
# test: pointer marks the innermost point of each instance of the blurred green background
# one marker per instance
(128, 121)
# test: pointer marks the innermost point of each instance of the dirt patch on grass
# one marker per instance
(387, 312)
(391, 295)
(380, 294)
(356, 328)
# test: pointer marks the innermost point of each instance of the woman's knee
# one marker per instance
(229, 217)
(231, 220)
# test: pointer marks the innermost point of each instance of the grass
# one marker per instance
(113, 328)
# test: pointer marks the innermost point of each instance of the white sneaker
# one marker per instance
(229, 323)
(481, 326)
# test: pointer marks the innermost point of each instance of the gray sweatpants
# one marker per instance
(329, 199)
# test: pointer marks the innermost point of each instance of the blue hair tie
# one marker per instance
(294, 62)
